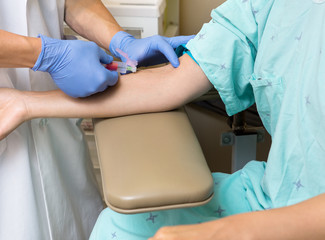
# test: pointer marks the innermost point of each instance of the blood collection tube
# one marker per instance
(120, 67)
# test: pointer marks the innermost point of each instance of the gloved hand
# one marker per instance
(147, 51)
(76, 66)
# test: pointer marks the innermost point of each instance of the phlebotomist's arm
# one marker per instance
(92, 20)
(17, 50)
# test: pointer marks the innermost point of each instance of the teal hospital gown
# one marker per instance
(272, 53)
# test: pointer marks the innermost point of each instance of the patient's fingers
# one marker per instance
(13, 111)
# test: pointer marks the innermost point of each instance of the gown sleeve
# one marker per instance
(226, 48)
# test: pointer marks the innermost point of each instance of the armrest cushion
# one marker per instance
(151, 162)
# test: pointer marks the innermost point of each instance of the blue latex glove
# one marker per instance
(147, 51)
(75, 66)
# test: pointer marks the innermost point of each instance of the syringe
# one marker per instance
(120, 67)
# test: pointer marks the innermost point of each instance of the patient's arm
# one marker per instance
(302, 221)
(151, 90)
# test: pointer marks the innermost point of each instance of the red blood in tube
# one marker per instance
(112, 66)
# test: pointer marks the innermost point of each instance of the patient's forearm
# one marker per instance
(130, 95)
(305, 220)
(157, 89)
(302, 221)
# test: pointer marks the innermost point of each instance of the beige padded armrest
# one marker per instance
(151, 162)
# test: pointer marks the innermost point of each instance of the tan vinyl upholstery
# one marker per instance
(151, 162)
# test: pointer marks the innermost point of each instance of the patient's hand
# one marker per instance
(13, 110)
(231, 228)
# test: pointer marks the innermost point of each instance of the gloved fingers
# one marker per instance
(123, 59)
(104, 57)
(168, 51)
(99, 80)
(179, 40)
(110, 77)
(102, 88)
(120, 40)
(113, 78)
(70, 91)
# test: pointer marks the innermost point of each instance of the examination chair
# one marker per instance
(151, 162)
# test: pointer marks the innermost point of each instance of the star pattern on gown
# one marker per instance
(298, 185)
(201, 36)
(151, 218)
(114, 235)
(223, 66)
(298, 38)
(254, 11)
(219, 211)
